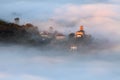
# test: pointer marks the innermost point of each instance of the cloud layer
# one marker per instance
(28, 63)
(98, 18)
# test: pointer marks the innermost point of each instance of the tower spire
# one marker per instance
(81, 28)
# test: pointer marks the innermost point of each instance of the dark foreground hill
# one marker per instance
(14, 33)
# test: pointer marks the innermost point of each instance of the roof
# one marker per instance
(60, 34)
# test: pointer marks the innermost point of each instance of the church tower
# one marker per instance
(80, 33)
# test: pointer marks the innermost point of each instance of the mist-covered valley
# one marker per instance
(33, 63)
(56, 61)
(25, 55)
(96, 60)
(18, 62)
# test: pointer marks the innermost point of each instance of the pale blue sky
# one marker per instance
(40, 9)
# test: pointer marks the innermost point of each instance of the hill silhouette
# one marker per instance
(11, 32)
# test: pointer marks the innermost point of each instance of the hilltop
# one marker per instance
(11, 32)
(29, 34)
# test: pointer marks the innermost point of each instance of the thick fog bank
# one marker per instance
(31, 63)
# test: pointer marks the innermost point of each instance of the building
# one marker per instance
(60, 36)
(80, 33)
(44, 34)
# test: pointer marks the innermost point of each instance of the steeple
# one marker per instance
(81, 28)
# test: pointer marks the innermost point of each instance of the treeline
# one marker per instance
(11, 32)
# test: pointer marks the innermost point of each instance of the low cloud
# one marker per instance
(32, 77)
(46, 60)
(115, 1)
(99, 19)
(4, 75)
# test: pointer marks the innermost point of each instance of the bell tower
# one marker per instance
(81, 28)
(80, 33)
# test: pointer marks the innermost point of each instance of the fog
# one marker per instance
(100, 61)
(31, 63)
(97, 61)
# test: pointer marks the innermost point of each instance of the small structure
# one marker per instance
(60, 36)
(73, 48)
(17, 20)
(71, 35)
(44, 34)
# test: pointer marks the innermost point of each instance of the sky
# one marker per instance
(101, 19)
(66, 15)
